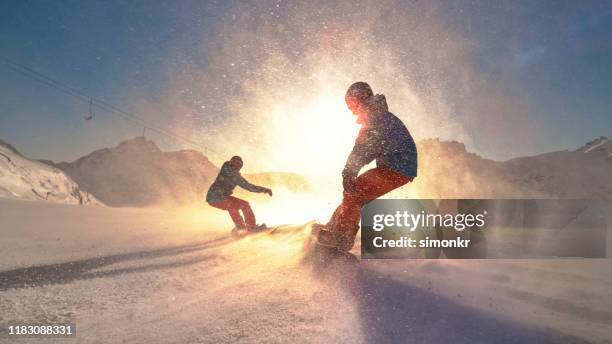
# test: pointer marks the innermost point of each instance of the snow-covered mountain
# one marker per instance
(447, 170)
(23, 178)
(600, 146)
(137, 173)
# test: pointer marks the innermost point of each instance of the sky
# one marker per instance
(267, 78)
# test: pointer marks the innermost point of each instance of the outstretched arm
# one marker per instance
(243, 183)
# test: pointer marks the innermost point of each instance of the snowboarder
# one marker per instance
(384, 138)
(219, 195)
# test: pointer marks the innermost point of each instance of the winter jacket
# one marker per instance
(383, 138)
(226, 182)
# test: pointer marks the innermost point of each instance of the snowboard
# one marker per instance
(260, 229)
(325, 254)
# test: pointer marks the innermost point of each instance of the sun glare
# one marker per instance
(316, 134)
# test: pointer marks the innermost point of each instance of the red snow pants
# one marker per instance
(368, 186)
(234, 206)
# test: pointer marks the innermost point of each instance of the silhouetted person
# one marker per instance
(384, 138)
(219, 194)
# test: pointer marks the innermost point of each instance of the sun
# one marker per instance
(314, 135)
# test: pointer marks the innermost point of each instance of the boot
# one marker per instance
(239, 231)
(317, 227)
(327, 238)
(257, 228)
(345, 240)
(342, 241)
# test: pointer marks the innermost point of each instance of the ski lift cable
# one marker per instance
(29, 72)
(37, 76)
(41, 78)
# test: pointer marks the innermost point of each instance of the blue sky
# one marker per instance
(555, 56)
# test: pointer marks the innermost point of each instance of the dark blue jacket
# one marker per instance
(226, 182)
(383, 138)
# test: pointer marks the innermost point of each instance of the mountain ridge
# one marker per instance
(136, 172)
(25, 179)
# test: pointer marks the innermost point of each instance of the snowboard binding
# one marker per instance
(339, 240)
(246, 230)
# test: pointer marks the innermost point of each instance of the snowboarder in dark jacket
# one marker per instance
(220, 194)
(383, 138)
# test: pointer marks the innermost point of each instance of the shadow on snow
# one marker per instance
(62, 273)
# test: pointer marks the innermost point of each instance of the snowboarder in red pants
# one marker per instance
(219, 195)
(384, 138)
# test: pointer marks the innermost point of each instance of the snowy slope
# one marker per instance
(143, 276)
(32, 180)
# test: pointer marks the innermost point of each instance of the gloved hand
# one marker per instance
(348, 183)
(269, 192)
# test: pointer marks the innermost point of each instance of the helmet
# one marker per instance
(358, 91)
(236, 161)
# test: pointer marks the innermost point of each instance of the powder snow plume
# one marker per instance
(270, 85)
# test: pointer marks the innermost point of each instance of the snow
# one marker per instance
(597, 144)
(22, 178)
(137, 173)
(176, 276)
(447, 170)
